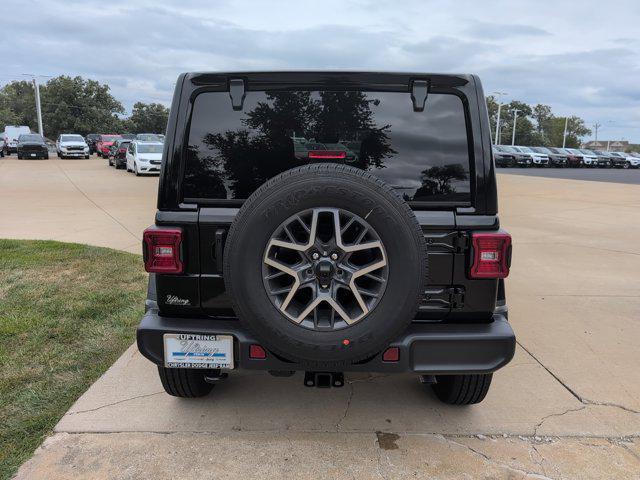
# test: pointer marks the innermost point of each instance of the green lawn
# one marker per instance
(67, 311)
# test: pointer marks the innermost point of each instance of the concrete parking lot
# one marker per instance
(568, 406)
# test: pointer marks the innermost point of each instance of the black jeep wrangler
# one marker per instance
(327, 222)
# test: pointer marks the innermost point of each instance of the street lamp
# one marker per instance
(515, 118)
(36, 87)
(500, 94)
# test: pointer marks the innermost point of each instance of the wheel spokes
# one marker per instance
(325, 240)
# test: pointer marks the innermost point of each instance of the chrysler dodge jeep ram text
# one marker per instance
(327, 222)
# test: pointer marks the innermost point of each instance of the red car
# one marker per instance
(103, 143)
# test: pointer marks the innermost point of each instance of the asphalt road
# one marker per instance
(614, 175)
(568, 406)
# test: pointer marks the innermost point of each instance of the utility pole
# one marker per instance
(495, 142)
(36, 87)
(38, 109)
(515, 118)
(596, 126)
(564, 135)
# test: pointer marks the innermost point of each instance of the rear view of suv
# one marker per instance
(374, 247)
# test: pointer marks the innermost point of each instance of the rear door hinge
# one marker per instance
(461, 242)
(218, 247)
(456, 298)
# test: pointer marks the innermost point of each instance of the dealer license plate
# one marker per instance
(33, 154)
(185, 350)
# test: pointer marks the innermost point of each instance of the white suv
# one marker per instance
(539, 159)
(144, 157)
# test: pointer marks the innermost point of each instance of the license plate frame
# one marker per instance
(186, 350)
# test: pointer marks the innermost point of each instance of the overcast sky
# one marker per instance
(582, 58)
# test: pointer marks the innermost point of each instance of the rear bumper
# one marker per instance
(424, 348)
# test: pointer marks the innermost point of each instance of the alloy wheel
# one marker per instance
(325, 268)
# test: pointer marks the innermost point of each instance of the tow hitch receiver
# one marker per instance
(323, 379)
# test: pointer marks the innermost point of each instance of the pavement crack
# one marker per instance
(580, 398)
(114, 403)
(545, 418)
(498, 463)
(569, 389)
(586, 401)
(346, 410)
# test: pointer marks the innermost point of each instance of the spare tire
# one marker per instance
(325, 264)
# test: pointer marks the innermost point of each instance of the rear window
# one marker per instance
(148, 137)
(71, 138)
(30, 138)
(150, 148)
(423, 155)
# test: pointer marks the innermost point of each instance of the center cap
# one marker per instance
(324, 270)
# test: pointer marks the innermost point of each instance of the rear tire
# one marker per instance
(462, 389)
(184, 382)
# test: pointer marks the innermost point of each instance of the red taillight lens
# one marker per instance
(391, 354)
(162, 250)
(256, 352)
(122, 150)
(327, 154)
(491, 255)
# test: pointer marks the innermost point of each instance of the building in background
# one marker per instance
(612, 145)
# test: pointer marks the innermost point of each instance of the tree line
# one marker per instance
(77, 105)
(535, 125)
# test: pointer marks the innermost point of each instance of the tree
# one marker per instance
(437, 180)
(576, 129)
(535, 126)
(542, 116)
(76, 105)
(147, 118)
(72, 105)
(18, 104)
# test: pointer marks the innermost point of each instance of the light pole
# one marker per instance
(38, 109)
(596, 126)
(564, 135)
(515, 118)
(498, 119)
(36, 87)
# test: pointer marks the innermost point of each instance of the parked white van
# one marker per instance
(11, 134)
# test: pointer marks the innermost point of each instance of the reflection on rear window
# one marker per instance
(423, 155)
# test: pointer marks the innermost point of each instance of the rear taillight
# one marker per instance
(162, 250)
(122, 150)
(327, 154)
(491, 255)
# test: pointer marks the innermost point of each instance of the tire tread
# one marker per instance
(185, 383)
(462, 389)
